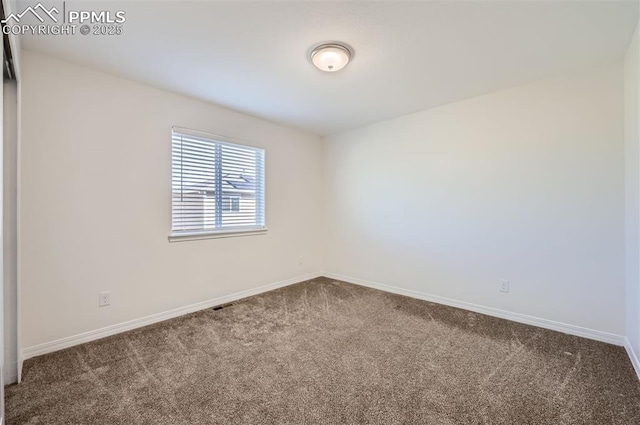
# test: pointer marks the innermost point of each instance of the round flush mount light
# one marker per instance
(330, 57)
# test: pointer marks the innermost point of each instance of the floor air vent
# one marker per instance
(220, 307)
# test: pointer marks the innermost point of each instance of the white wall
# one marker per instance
(10, 231)
(9, 222)
(632, 190)
(95, 203)
(525, 184)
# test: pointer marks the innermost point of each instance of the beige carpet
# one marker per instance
(327, 352)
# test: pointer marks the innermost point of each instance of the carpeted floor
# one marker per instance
(327, 352)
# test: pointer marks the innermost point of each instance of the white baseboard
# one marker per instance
(82, 338)
(490, 311)
(10, 371)
(60, 344)
(635, 361)
(20, 363)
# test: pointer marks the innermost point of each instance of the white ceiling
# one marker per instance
(409, 56)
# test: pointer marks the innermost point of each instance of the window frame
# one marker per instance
(178, 236)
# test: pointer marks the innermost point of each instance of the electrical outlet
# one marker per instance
(104, 299)
(504, 285)
(300, 260)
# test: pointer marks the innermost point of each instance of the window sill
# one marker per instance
(231, 233)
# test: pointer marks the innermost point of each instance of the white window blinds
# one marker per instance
(216, 186)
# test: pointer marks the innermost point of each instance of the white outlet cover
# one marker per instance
(504, 285)
(104, 299)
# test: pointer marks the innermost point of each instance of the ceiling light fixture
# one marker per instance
(331, 57)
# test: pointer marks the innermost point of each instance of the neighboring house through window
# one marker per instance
(217, 186)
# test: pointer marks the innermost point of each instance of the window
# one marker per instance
(230, 204)
(217, 186)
